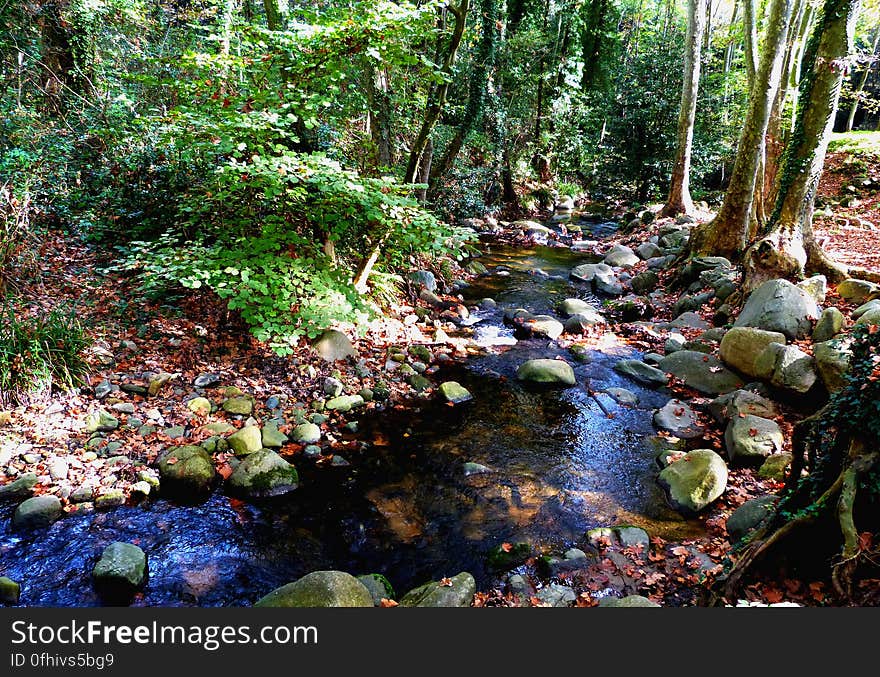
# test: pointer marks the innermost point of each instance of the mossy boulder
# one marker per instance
(344, 403)
(306, 433)
(240, 405)
(101, 421)
(550, 372)
(20, 487)
(37, 512)
(10, 591)
(263, 474)
(741, 345)
(320, 589)
(121, 570)
(246, 441)
(457, 591)
(378, 586)
(774, 467)
(200, 406)
(752, 437)
(832, 363)
(831, 323)
(508, 556)
(187, 470)
(454, 392)
(695, 480)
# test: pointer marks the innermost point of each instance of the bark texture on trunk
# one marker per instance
(438, 99)
(679, 199)
(729, 232)
(789, 248)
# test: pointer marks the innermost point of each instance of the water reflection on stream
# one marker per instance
(406, 507)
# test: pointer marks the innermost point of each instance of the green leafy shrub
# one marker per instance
(39, 352)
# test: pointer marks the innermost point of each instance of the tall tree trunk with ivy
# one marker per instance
(679, 199)
(437, 97)
(419, 164)
(481, 70)
(729, 232)
(788, 248)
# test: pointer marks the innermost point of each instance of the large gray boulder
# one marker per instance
(701, 372)
(832, 363)
(864, 308)
(587, 271)
(742, 345)
(695, 480)
(571, 307)
(457, 591)
(778, 305)
(320, 589)
(786, 367)
(262, 474)
(606, 282)
(540, 326)
(187, 470)
(334, 345)
(551, 372)
(122, 568)
(37, 512)
(752, 437)
(621, 256)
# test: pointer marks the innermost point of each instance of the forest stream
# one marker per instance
(437, 487)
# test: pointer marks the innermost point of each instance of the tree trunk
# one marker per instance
(789, 248)
(379, 104)
(728, 233)
(862, 81)
(679, 199)
(750, 27)
(438, 100)
(56, 51)
(484, 63)
(275, 10)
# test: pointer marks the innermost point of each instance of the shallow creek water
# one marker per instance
(405, 507)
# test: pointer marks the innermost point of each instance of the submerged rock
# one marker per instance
(641, 372)
(121, 569)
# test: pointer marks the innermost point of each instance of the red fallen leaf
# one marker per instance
(680, 551)
(172, 460)
(387, 603)
(752, 432)
(446, 582)
(225, 470)
(705, 358)
(866, 540)
(772, 595)
(506, 547)
(534, 601)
